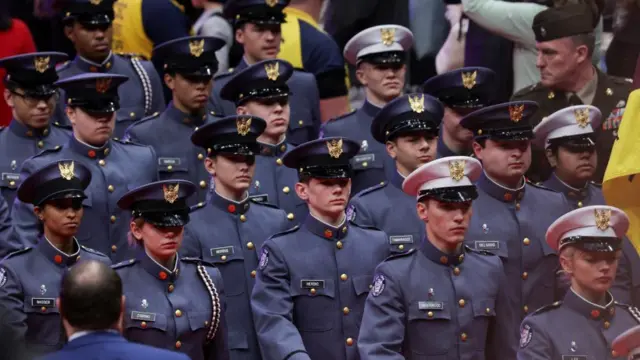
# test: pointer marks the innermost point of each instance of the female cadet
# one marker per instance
(584, 325)
(171, 302)
(30, 278)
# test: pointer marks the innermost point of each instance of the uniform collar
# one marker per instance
(89, 66)
(370, 109)
(588, 91)
(443, 149)
(589, 309)
(230, 206)
(397, 179)
(156, 270)
(57, 257)
(434, 254)
(273, 150)
(498, 191)
(301, 15)
(242, 65)
(190, 120)
(325, 230)
(25, 131)
(90, 151)
(554, 183)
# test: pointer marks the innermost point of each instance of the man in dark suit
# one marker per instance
(92, 308)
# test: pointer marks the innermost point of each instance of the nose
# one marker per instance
(539, 61)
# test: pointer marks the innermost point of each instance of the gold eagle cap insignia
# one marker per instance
(603, 217)
(67, 170)
(456, 169)
(41, 63)
(417, 103)
(243, 125)
(515, 112)
(171, 192)
(469, 79)
(387, 36)
(273, 70)
(102, 85)
(196, 47)
(95, 2)
(582, 117)
(335, 148)
(271, 3)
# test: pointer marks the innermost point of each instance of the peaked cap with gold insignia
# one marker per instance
(93, 92)
(263, 80)
(570, 127)
(449, 179)
(464, 90)
(161, 203)
(262, 12)
(236, 134)
(34, 73)
(62, 179)
(89, 13)
(506, 121)
(382, 44)
(406, 114)
(192, 55)
(327, 158)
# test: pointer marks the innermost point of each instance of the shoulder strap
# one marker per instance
(216, 309)
(146, 84)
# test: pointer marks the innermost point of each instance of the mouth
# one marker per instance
(71, 225)
(170, 245)
(458, 230)
(604, 279)
(337, 202)
(201, 97)
(516, 165)
(243, 178)
(101, 46)
(425, 158)
(270, 49)
(585, 166)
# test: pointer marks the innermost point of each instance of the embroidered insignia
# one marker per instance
(582, 117)
(456, 169)
(417, 103)
(387, 36)
(515, 112)
(196, 47)
(273, 70)
(171, 192)
(431, 292)
(14, 165)
(609, 92)
(3, 277)
(335, 148)
(485, 228)
(602, 219)
(271, 3)
(351, 213)
(243, 125)
(543, 31)
(144, 304)
(378, 285)
(264, 259)
(525, 335)
(551, 95)
(364, 146)
(469, 79)
(102, 85)
(43, 289)
(66, 170)
(41, 63)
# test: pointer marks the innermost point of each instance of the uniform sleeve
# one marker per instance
(215, 101)
(534, 342)
(502, 340)
(272, 306)
(361, 215)
(153, 169)
(190, 244)
(218, 348)
(130, 134)
(25, 223)
(164, 20)
(157, 99)
(12, 299)
(623, 288)
(7, 238)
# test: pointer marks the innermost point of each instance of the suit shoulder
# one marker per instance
(626, 82)
(365, 227)
(598, 185)
(264, 204)
(16, 253)
(47, 152)
(132, 56)
(400, 255)
(62, 67)
(143, 123)
(303, 75)
(547, 308)
(342, 117)
(634, 311)
(123, 264)
(530, 91)
(128, 143)
(541, 187)
(95, 252)
(481, 252)
(371, 189)
(283, 234)
(227, 74)
(197, 206)
(61, 126)
(197, 261)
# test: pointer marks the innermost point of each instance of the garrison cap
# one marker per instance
(382, 44)
(35, 73)
(449, 179)
(593, 228)
(572, 126)
(93, 92)
(192, 55)
(327, 158)
(464, 90)
(262, 12)
(406, 114)
(161, 203)
(506, 121)
(87, 12)
(569, 20)
(62, 179)
(265, 79)
(236, 134)
(627, 344)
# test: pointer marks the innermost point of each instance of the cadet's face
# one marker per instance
(261, 42)
(160, 242)
(275, 113)
(591, 272)
(574, 166)
(326, 197)
(452, 126)
(232, 172)
(385, 82)
(61, 217)
(91, 42)
(504, 159)
(91, 128)
(33, 112)
(557, 60)
(190, 93)
(447, 223)
(411, 151)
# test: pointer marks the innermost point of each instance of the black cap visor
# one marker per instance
(244, 149)
(592, 243)
(326, 171)
(275, 92)
(96, 106)
(456, 194)
(511, 134)
(166, 219)
(411, 126)
(575, 144)
(393, 59)
(54, 189)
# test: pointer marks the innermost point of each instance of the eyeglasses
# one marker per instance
(33, 101)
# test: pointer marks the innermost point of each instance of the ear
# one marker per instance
(567, 264)
(38, 211)
(421, 209)
(302, 190)
(71, 114)
(169, 81)
(136, 231)
(242, 110)
(8, 98)
(68, 32)
(553, 160)
(392, 149)
(240, 35)
(360, 75)
(210, 166)
(477, 150)
(582, 52)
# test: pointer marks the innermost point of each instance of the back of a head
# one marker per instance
(90, 296)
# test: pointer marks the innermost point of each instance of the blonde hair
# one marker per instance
(133, 242)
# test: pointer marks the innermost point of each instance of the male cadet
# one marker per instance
(87, 23)
(32, 97)
(565, 42)
(511, 215)
(461, 91)
(116, 166)
(409, 129)
(239, 224)
(189, 64)
(379, 54)
(256, 25)
(261, 90)
(443, 300)
(313, 279)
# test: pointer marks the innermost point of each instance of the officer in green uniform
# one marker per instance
(565, 43)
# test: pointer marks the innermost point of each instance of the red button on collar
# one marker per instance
(328, 233)
(595, 313)
(163, 275)
(57, 259)
(231, 208)
(92, 154)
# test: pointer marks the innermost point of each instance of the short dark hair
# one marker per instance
(90, 296)
(588, 40)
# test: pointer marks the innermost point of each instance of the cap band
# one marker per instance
(56, 188)
(410, 125)
(247, 149)
(261, 14)
(507, 134)
(326, 171)
(592, 243)
(456, 194)
(263, 93)
(389, 57)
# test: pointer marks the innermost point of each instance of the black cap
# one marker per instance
(264, 12)
(63, 179)
(406, 114)
(160, 203)
(507, 121)
(35, 73)
(237, 134)
(556, 23)
(265, 79)
(93, 92)
(193, 55)
(327, 158)
(87, 12)
(464, 90)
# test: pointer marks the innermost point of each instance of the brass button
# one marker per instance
(243, 218)
(12, 183)
(40, 144)
(206, 323)
(344, 277)
(110, 188)
(290, 216)
(223, 257)
(525, 275)
(113, 219)
(517, 206)
(253, 274)
(579, 203)
(401, 247)
(339, 244)
(143, 324)
(132, 115)
(300, 122)
(614, 353)
(461, 302)
(430, 314)
(178, 313)
(365, 164)
(345, 310)
(170, 167)
(456, 271)
(43, 309)
(525, 308)
(444, 260)
(607, 324)
(203, 184)
(250, 245)
(178, 344)
(279, 161)
(312, 291)
(349, 341)
(463, 337)
(487, 310)
(101, 162)
(114, 248)
(200, 156)
(526, 241)
(171, 287)
(286, 190)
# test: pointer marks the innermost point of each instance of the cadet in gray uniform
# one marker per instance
(408, 126)
(189, 64)
(240, 223)
(88, 24)
(32, 98)
(585, 323)
(116, 166)
(262, 90)
(172, 302)
(510, 214)
(6, 230)
(379, 54)
(443, 300)
(30, 278)
(313, 279)
(628, 344)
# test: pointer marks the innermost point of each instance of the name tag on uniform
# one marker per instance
(487, 245)
(430, 305)
(169, 161)
(309, 284)
(143, 316)
(574, 357)
(46, 302)
(10, 176)
(364, 157)
(227, 250)
(262, 198)
(401, 239)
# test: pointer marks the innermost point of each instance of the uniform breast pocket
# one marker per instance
(497, 247)
(361, 285)
(9, 182)
(301, 128)
(436, 323)
(314, 305)
(44, 325)
(172, 168)
(230, 261)
(147, 328)
(366, 161)
(484, 312)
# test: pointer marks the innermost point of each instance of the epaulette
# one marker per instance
(197, 206)
(371, 189)
(620, 80)
(123, 264)
(152, 116)
(62, 126)
(396, 255)
(529, 89)
(540, 186)
(197, 260)
(547, 308)
(17, 252)
(96, 252)
(63, 66)
(213, 113)
(128, 142)
(481, 252)
(289, 231)
(632, 310)
(342, 116)
(256, 201)
(47, 151)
